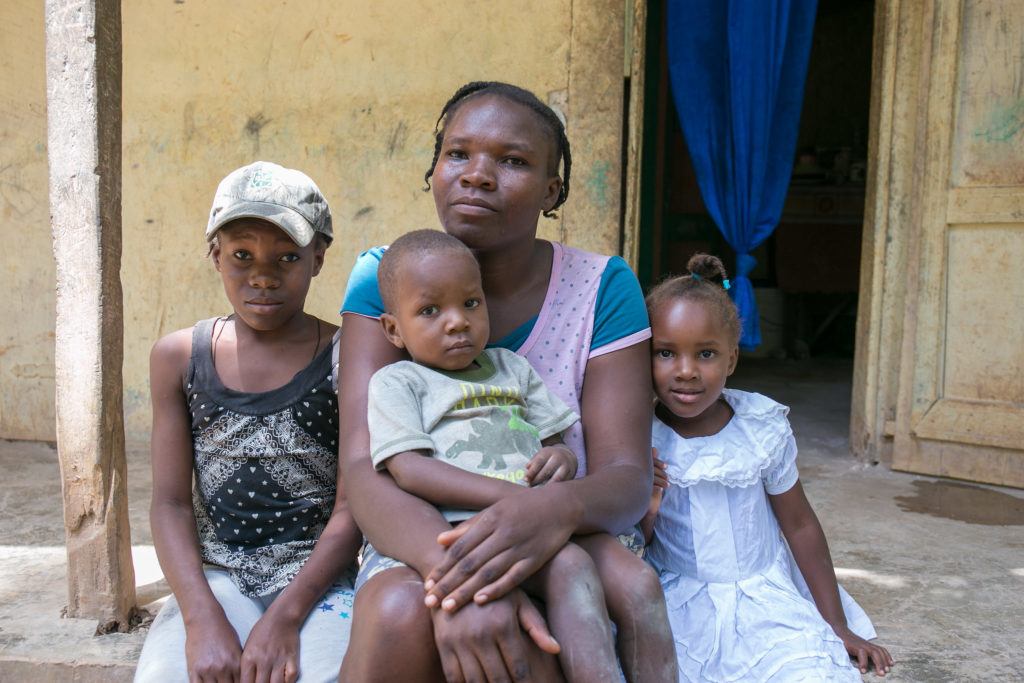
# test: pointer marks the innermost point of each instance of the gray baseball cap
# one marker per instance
(287, 198)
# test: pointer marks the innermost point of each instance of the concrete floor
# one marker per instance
(938, 565)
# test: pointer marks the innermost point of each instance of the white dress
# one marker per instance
(739, 607)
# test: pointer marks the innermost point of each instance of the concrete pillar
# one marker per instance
(83, 78)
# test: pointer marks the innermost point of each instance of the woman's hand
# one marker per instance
(865, 651)
(271, 651)
(500, 547)
(556, 462)
(486, 642)
(212, 650)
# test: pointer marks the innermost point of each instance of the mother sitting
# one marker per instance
(574, 316)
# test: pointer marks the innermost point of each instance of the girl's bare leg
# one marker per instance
(636, 604)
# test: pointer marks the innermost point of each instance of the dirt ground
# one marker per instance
(938, 565)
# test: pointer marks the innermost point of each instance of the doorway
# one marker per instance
(807, 272)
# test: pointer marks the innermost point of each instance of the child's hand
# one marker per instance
(660, 484)
(866, 652)
(551, 463)
(271, 651)
(212, 650)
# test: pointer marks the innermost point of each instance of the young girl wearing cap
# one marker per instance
(744, 604)
(571, 314)
(246, 404)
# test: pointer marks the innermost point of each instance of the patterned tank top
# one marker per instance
(265, 468)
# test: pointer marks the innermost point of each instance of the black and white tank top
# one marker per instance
(265, 467)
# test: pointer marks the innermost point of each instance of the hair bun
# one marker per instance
(708, 267)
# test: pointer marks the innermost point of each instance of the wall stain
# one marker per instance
(396, 141)
(1004, 123)
(256, 123)
(33, 371)
(597, 184)
(188, 127)
(252, 128)
(363, 212)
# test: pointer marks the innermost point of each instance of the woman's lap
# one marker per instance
(392, 636)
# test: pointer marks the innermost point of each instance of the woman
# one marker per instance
(495, 171)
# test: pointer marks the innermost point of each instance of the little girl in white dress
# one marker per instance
(744, 603)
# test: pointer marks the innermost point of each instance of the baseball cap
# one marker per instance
(287, 198)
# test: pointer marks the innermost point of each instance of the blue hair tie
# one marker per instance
(725, 283)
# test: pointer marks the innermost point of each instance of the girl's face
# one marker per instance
(693, 354)
(493, 176)
(266, 275)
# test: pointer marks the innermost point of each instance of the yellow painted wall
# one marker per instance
(346, 91)
(26, 253)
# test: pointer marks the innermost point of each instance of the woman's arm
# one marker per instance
(212, 650)
(513, 538)
(806, 539)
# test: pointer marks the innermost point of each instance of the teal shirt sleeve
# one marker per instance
(362, 296)
(620, 310)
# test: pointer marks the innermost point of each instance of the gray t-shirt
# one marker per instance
(488, 420)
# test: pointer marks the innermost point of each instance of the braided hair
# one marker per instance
(520, 96)
(706, 282)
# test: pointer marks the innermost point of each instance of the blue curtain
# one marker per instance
(737, 69)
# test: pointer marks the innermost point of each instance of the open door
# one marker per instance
(958, 406)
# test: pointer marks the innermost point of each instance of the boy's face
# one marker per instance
(439, 316)
(266, 275)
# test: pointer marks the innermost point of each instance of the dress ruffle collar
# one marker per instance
(749, 445)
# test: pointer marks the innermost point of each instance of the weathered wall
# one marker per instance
(346, 91)
(26, 258)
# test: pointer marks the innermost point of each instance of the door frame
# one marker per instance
(894, 121)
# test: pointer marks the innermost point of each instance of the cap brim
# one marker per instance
(292, 222)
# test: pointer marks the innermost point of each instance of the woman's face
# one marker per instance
(495, 173)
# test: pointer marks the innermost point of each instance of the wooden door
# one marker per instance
(960, 400)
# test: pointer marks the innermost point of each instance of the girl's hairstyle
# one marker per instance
(520, 96)
(705, 282)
